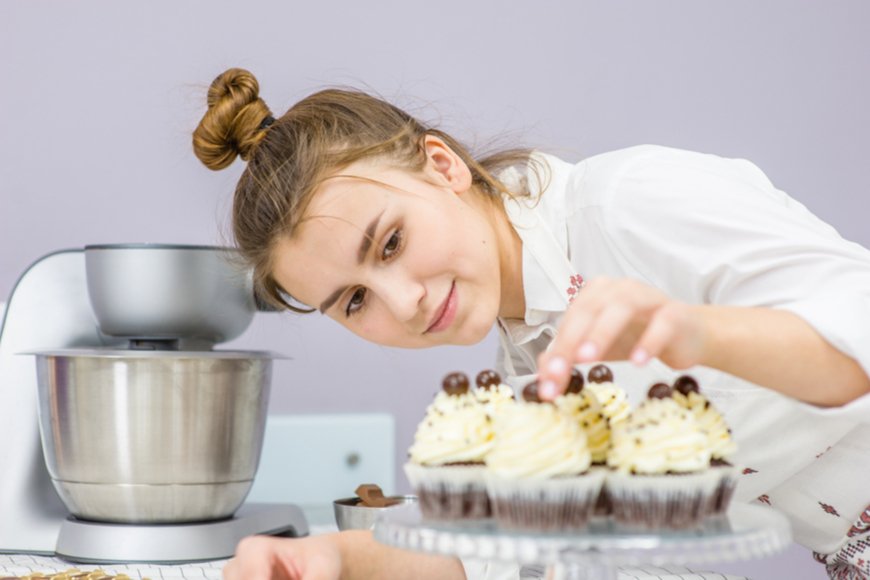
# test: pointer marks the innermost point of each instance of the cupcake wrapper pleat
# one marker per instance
(564, 503)
(450, 492)
(662, 501)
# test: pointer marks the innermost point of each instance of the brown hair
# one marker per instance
(288, 158)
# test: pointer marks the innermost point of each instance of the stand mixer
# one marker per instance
(130, 439)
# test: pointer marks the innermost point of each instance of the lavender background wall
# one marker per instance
(98, 99)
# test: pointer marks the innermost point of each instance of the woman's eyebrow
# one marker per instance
(367, 238)
(364, 246)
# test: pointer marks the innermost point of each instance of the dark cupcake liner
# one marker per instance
(450, 492)
(721, 498)
(551, 505)
(662, 501)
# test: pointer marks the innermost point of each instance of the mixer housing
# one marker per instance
(140, 421)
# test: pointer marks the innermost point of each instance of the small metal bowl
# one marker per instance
(350, 515)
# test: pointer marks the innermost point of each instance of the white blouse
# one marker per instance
(709, 230)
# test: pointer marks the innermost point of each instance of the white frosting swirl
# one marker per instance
(537, 441)
(659, 437)
(613, 400)
(722, 446)
(456, 429)
(495, 398)
(584, 408)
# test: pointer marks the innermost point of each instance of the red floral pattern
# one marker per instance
(861, 525)
(764, 499)
(577, 283)
(830, 509)
(749, 470)
(852, 561)
(849, 562)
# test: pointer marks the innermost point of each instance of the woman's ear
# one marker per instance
(445, 165)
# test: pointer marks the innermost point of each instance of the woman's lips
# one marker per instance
(446, 312)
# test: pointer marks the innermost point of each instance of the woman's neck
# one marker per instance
(513, 301)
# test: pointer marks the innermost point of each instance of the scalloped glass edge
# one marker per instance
(746, 532)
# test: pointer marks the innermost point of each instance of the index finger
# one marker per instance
(554, 364)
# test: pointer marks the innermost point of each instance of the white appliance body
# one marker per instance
(48, 307)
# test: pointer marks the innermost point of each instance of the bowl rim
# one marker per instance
(119, 353)
(158, 246)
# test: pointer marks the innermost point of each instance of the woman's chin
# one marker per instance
(476, 330)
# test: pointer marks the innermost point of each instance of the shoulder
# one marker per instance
(597, 176)
(646, 170)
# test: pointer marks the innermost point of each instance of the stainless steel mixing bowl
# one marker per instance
(160, 291)
(152, 436)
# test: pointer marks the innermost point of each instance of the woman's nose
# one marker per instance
(402, 296)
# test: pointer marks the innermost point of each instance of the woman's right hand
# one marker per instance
(619, 319)
(270, 558)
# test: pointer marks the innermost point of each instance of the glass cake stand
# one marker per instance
(745, 532)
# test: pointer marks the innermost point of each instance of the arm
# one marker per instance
(727, 272)
(625, 319)
(779, 350)
(363, 557)
(346, 555)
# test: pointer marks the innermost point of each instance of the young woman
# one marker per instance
(665, 258)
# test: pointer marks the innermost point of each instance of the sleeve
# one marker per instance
(710, 230)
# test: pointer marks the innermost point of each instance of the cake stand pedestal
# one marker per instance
(745, 532)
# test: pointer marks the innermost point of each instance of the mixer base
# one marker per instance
(103, 543)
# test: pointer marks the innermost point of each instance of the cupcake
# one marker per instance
(615, 407)
(446, 461)
(613, 400)
(722, 447)
(582, 406)
(660, 461)
(538, 475)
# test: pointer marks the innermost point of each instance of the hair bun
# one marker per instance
(235, 83)
(233, 124)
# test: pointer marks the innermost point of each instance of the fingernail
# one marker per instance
(639, 356)
(547, 390)
(587, 351)
(557, 366)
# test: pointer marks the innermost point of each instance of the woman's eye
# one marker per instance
(356, 302)
(393, 245)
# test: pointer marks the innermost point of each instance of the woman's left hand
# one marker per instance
(617, 319)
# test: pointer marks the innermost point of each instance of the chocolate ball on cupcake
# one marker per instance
(660, 461)
(538, 471)
(446, 460)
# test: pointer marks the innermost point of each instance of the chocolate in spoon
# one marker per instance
(373, 496)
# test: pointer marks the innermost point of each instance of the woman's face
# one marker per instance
(400, 259)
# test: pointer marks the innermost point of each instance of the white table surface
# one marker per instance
(320, 521)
